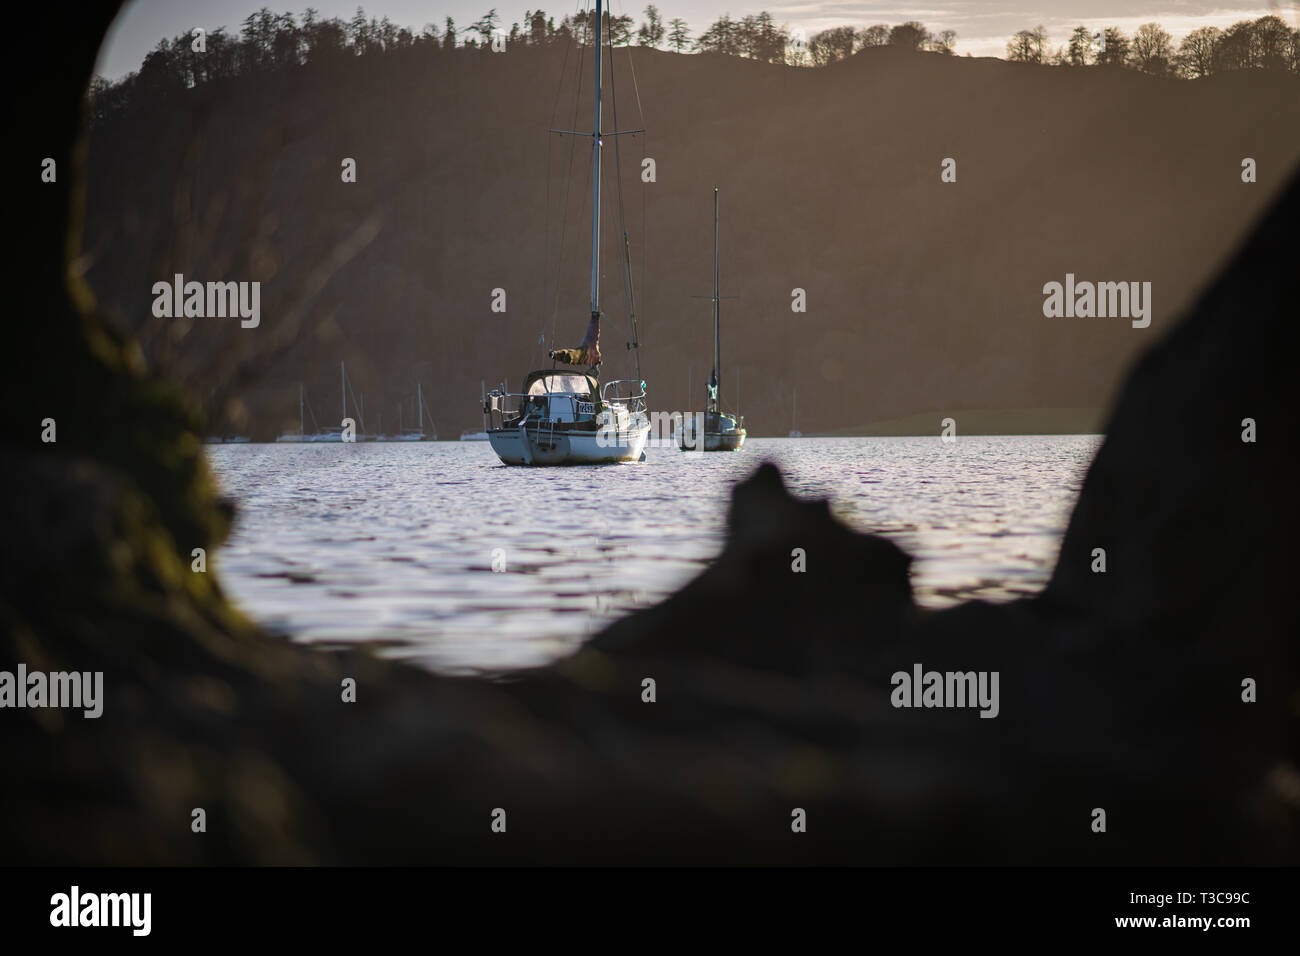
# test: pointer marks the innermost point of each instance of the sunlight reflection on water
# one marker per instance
(393, 542)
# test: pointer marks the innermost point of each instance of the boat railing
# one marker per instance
(502, 406)
(625, 391)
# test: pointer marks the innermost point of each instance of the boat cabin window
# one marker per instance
(562, 384)
(560, 396)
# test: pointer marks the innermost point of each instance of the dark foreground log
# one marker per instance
(1120, 691)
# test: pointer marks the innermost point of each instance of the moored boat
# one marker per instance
(414, 434)
(722, 432)
(567, 416)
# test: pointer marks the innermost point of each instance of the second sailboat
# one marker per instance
(722, 432)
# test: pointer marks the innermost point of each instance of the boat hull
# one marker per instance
(718, 441)
(724, 441)
(532, 446)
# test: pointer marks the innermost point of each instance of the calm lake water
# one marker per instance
(394, 542)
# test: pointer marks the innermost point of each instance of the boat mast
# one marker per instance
(419, 397)
(595, 179)
(717, 345)
(301, 398)
(343, 388)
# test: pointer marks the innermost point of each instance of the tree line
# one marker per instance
(270, 41)
(1266, 43)
(267, 40)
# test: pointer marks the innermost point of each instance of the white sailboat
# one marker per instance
(568, 417)
(794, 432)
(301, 434)
(722, 432)
(471, 435)
(416, 434)
(335, 432)
(330, 433)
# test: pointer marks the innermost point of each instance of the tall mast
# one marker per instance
(343, 388)
(717, 345)
(595, 179)
(419, 397)
(301, 429)
(596, 173)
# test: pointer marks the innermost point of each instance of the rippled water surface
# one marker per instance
(395, 542)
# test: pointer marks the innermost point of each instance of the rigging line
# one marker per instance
(559, 88)
(614, 174)
(546, 256)
(546, 222)
(629, 296)
(617, 175)
(568, 186)
(643, 242)
(618, 187)
(636, 89)
(586, 184)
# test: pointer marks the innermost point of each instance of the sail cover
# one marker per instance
(558, 383)
(588, 353)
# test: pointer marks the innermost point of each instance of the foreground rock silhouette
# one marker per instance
(1119, 691)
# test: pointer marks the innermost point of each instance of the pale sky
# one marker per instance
(983, 26)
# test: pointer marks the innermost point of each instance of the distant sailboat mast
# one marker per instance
(722, 432)
(714, 385)
(714, 402)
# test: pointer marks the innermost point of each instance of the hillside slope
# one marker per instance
(923, 298)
